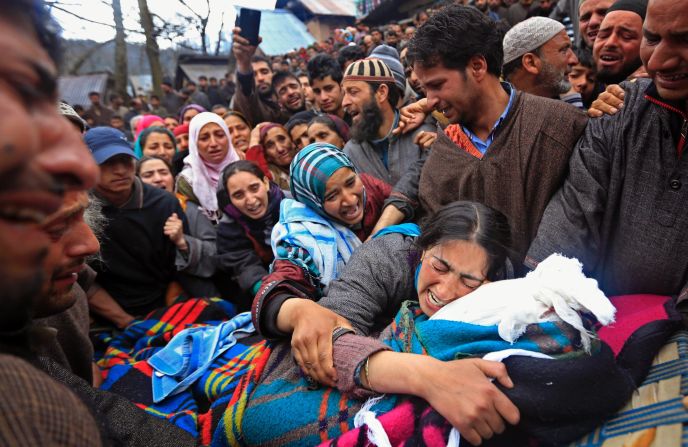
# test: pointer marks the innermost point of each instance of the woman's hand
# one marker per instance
(311, 341)
(174, 229)
(609, 102)
(461, 390)
(254, 138)
(411, 116)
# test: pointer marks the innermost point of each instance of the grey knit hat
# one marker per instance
(529, 35)
(391, 57)
(368, 70)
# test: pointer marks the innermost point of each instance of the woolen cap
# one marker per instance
(368, 70)
(528, 36)
(390, 56)
(68, 112)
(637, 6)
(106, 142)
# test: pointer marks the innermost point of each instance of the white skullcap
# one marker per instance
(529, 35)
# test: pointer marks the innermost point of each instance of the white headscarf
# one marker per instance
(202, 175)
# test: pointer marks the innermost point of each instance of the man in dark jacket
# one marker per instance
(622, 210)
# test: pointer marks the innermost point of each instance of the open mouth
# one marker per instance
(434, 301)
(610, 59)
(254, 209)
(351, 213)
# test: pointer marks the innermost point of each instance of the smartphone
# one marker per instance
(249, 22)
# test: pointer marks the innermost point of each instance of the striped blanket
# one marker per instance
(212, 408)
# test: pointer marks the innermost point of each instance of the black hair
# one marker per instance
(93, 93)
(259, 58)
(454, 35)
(156, 129)
(114, 96)
(190, 83)
(372, 30)
(472, 222)
(145, 158)
(238, 115)
(584, 56)
(350, 53)
(280, 76)
(298, 118)
(202, 77)
(242, 166)
(155, 96)
(329, 122)
(323, 65)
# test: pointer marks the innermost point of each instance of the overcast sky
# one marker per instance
(74, 28)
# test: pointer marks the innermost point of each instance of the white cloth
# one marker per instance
(557, 290)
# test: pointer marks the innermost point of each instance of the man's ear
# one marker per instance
(477, 66)
(531, 63)
(381, 94)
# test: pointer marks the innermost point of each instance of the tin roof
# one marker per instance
(282, 32)
(330, 7)
(75, 89)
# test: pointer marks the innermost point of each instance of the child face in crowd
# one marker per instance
(582, 80)
(182, 141)
(170, 123)
(213, 143)
(239, 132)
(344, 197)
(321, 133)
(188, 115)
(249, 194)
(279, 149)
(159, 145)
(299, 135)
(156, 173)
(449, 271)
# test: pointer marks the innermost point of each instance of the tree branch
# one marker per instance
(109, 25)
(200, 17)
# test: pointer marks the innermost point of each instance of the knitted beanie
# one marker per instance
(637, 6)
(368, 70)
(390, 56)
(528, 36)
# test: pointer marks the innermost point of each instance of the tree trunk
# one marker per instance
(152, 49)
(121, 71)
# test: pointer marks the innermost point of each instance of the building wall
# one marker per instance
(322, 27)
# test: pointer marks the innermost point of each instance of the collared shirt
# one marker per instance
(481, 145)
(382, 145)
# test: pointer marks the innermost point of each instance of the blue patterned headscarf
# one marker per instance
(311, 168)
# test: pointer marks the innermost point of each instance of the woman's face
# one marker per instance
(188, 115)
(249, 194)
(448, 272)
(344, 196)
(279, 149)
(156, 173)
(239, 132)
(320, 133)
(171, 123)
(182, 141)
(159, 145)
(212, 143)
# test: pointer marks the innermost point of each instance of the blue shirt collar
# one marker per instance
(481, 145)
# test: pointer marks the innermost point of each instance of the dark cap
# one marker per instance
(637, 6)
(106, 142)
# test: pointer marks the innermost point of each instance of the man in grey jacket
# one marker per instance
(622, 209)
(370, 98)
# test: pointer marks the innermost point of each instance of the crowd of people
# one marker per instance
(323, 190)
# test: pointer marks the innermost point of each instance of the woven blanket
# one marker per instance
(211, 409)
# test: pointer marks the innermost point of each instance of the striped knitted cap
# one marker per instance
(368, 70)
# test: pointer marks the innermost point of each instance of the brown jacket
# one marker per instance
(523, 167)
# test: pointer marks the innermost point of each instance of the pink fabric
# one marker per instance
(145, 123)
(632, 312)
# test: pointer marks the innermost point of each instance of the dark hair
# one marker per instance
(156, 129)
(202, 77)
(145, 158)
(323, 65)
(373, 30)
(191, 83)
(242, 166)
(93, 93)
(114, 96)
(585, 57)
(472, 222)
(455, 34)
(342, 129)
(259, 58)
(280, 76)
(303, 117)
(238, 115)
(350, 53)
(155, 96)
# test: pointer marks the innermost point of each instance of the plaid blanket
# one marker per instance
(212, 408)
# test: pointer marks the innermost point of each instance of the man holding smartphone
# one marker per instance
(254, 97)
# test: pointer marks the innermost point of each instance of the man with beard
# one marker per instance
(538, 57)
(504, 148)
(254, 96)
(290, 95)
(591, 14)
(622, 209)
(616, 50)
(370, 98)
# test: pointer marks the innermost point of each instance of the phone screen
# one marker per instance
(249, 22)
